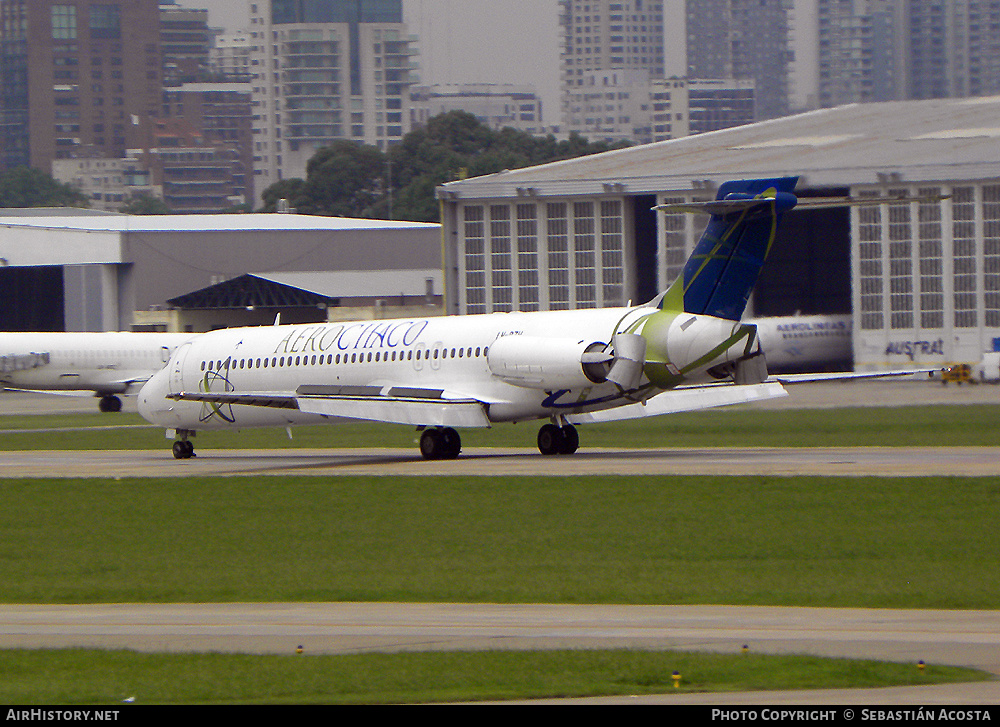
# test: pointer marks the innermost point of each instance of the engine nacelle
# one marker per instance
(549, 363)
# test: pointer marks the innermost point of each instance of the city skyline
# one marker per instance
(520, 44)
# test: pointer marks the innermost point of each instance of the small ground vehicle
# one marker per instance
(957, 373)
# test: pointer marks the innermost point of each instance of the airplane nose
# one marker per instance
(153, 403)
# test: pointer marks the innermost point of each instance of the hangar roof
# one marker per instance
(872, 143)
(206, 223)
(309, 288)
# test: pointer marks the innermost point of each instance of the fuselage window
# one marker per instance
(265, 363)
(202, 365)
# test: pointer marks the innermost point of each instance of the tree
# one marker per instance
(145, 204)
(351, 179)
(28, 187)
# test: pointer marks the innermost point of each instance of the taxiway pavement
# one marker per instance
(966, 638)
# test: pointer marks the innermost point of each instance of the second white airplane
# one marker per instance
(108, 363)
(684, 350)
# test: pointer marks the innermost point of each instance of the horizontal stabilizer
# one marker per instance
(685, 399)
(723, 207)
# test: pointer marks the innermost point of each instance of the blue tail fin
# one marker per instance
(720, 274)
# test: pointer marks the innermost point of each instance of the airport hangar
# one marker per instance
(921, 279)
(80, 271)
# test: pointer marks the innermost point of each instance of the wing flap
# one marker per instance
(690, 399)
(395, 410)
(397, 405)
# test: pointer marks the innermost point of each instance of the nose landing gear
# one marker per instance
(183, 448)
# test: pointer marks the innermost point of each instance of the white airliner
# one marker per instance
(684, 350)
(109, 364)
(805, 343)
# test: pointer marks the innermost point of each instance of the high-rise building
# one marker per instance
(860, 53)
(75, 75)
(325, 70)
(742, 40)
(607, 40)
(493, 104)
(883, 50)
(185, 40)
(952, 49)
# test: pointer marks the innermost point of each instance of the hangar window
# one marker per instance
(870, 264)
(558, 255)
(527, 256)
(964, 253)
(900, 263)
(991, 255)
(931, 260)
(612, 254)
(584, 256)
(674, 246)
(500, 258)
(475, 260)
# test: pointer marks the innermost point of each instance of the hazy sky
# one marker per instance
(463, 41)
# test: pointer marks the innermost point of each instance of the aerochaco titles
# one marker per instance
(322, 338)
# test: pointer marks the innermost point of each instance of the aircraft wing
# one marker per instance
(846, 375)
(685, 399)
(391, 404)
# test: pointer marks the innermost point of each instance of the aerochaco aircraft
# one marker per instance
(686, 349)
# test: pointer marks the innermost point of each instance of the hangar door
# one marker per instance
(32, 298)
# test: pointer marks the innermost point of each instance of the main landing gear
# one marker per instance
(440, 443)
(553, 439)
(109, 403)
(183, 448)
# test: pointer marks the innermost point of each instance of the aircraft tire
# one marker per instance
(183, 449)
(570, 440)
(551, 439)
(109, 403)
(430, 444)
(451, 443)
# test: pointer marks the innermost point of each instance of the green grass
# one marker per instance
(865, 542)
(953, 425)
(806, 541)
(80, 677)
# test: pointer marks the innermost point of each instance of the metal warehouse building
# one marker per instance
(921, 278)
(95, 272)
